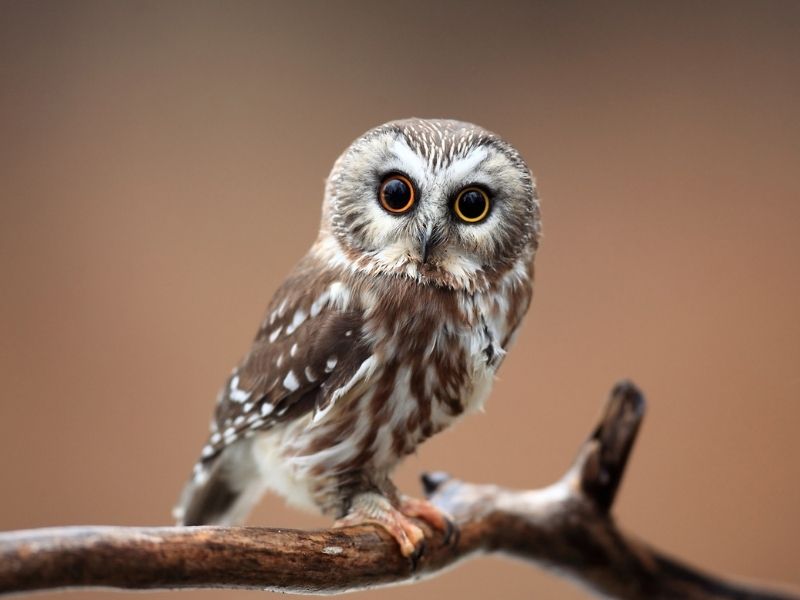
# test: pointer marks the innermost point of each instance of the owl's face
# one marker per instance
(443, 202)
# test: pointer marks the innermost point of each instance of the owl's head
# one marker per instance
(443, 202)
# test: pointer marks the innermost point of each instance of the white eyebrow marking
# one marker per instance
(459, 169)
(411, 162)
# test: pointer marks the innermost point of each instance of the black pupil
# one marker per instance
(472, 204)
(396, 194)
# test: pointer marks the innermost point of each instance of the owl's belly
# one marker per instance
(277, 471)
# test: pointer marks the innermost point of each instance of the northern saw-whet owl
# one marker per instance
(388, 330)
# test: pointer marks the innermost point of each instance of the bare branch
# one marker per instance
(566, 526)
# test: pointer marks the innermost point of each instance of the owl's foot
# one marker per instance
(374, 508)
(436, 518)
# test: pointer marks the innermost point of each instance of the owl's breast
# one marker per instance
(439, 350)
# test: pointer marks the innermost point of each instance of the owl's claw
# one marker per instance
(435, 517)
(376, 509)
(417, 554)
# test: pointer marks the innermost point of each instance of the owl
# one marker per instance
(389, 330)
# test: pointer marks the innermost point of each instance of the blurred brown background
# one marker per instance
(161, 168)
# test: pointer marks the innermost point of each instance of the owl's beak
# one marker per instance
(429, 241)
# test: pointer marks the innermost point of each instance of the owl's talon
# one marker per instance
(435, 517)
(372, 508)
(416, 555)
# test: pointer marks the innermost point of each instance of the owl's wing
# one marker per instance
(309, 351)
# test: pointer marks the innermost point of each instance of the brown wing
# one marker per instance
(310, 350)
(310, 345)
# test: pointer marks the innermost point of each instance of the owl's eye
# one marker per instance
(396, 194)
(472, 205)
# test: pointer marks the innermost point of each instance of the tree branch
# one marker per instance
(566, 526)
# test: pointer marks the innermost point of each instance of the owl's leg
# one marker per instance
(373, 507)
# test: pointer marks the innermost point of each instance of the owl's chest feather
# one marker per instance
(439, 358)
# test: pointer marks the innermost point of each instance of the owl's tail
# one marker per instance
(223, 491)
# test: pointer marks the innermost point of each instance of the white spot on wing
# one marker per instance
(299, 316)
(319, 303)
(330, 364)
(235, 393)
(274, 335)
(310, 375)
(290, 382)
(199, 476)
(364, 372)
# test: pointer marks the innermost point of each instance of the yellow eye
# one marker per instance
(396, 194)
(472, 205)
